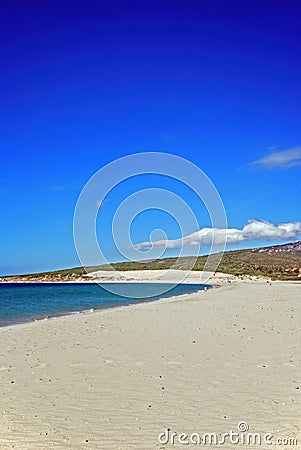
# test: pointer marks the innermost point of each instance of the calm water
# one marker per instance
(21, 302)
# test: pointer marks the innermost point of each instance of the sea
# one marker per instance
(25, 302)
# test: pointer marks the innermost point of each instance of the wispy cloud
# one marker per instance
(253, 230)
(283, 159)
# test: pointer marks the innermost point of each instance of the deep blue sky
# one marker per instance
(83, 83)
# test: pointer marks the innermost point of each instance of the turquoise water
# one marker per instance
(22, 302)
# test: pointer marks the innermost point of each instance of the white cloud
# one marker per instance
(254, 229)
(284, 159)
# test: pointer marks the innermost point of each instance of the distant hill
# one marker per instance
(282, 262)
(277, 262)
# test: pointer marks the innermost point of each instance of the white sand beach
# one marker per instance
(118, 378)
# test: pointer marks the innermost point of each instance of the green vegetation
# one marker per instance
(281, 262)
(282, 265)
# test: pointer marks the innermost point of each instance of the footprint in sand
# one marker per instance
(6, 367)
(40, 366)
(75, 364)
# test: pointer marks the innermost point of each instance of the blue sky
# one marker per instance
(84, 83)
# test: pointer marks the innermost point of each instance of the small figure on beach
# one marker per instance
(229, 280)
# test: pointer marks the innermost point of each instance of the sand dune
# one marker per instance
(161, 276)
(116, 379)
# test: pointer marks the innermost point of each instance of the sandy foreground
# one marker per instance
(116, 379)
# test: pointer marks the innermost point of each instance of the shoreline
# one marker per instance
(99, 309)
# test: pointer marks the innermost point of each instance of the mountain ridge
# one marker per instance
(292, 247)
